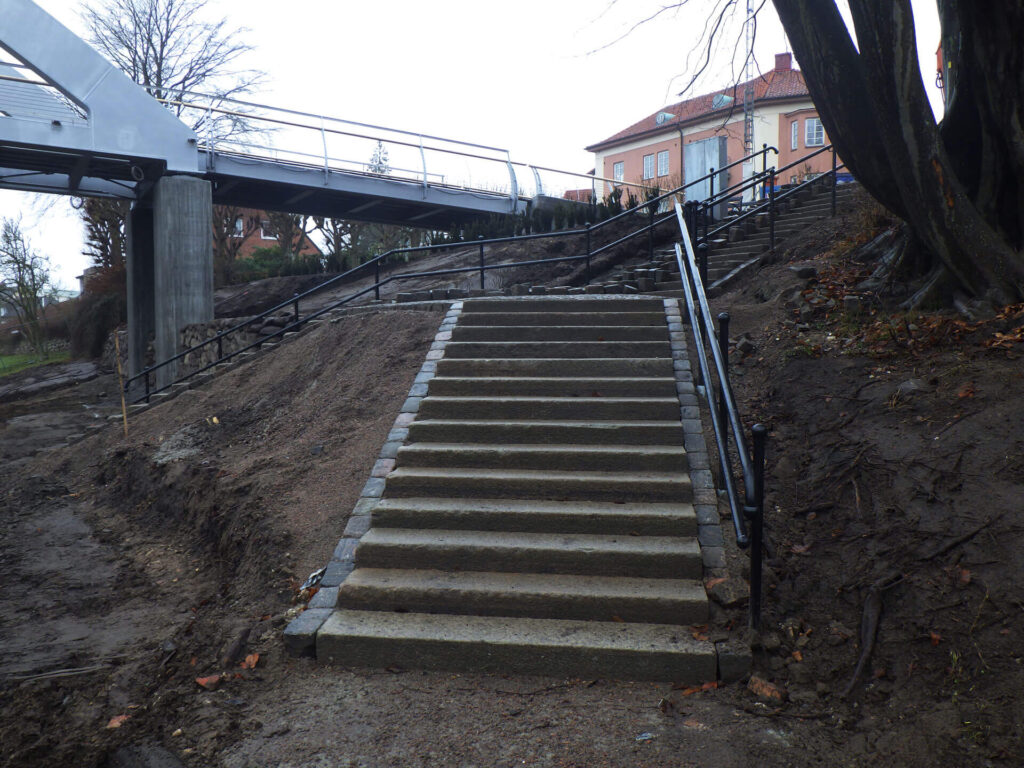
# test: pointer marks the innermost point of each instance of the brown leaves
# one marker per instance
(210, 683)
(117, 721)
(935, 637)
(967, 390)
(250, 661)
(689, 690)
(765, 690)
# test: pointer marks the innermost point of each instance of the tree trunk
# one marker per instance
(960, 199)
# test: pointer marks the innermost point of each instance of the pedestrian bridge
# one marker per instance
(71, 123)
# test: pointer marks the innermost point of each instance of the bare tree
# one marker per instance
(232, 226)
(167, 47)
(24, 283)
(291, 231)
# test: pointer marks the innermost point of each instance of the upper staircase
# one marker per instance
(539, 517)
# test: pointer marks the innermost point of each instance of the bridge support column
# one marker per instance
(170, 269)
(141, 307)
(183, 262)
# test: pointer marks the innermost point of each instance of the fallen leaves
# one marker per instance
(935, 637)
(117, 721)
(250, 661)
(210, 683)
(765, 690)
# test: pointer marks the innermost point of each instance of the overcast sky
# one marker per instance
(541, 78)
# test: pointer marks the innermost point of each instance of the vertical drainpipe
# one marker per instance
(682, 175)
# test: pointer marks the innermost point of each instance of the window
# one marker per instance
(663, 163)
(238, 229)
(619, 171)
(648, 166)
(814, 133)
(266, 231)
(794, 141)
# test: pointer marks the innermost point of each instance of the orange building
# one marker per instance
(682, 142)
(254, 230)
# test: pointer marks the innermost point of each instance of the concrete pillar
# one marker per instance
(141, 307)
(183, 262)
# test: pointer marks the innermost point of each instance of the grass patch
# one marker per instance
(11, 364)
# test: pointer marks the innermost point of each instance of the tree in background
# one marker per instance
(379, 160)
(24, 283)
(231, 228)
(167, 47)
(290, 230)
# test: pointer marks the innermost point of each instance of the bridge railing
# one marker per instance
(143, 385)
(326, 144)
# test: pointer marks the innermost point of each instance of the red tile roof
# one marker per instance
(774, 84)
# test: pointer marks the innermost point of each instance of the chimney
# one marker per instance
(783, 61)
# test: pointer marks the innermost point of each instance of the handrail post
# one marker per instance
(711, 195)
(145, 379)
(376, 278)
(835, 180)
(702, 263)
(295, 306)
(723, 347)
(588, 251)
(755, 512)
(481, 237)
(764, 158)
(650, 232)
(220, 348)
(771, 212)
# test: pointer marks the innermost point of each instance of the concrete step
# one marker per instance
(499, 644)
(587, 303)
(555, 349)
(558, 386)
(551, 408)
(669, 285)
(532, 595)
(467, 319)
(537, 516)
(556, 367)
(649, 557)
(613, 458)
(539, 484)
(559, 333)
(547, 431)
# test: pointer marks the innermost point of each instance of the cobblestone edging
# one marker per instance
(300, 634)
(734, 659)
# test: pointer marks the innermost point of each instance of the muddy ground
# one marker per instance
(135, 567)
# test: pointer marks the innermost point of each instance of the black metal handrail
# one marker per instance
(725, 418)
(770, 175)
(587, 232)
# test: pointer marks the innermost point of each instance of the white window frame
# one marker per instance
(663, 163)
(619, 171)
(649, 166)
(814, 132)
(265, 229)
(238, 230)
(794, 139)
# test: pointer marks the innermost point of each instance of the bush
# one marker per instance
(95, 316)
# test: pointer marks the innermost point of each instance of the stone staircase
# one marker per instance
(742, 246)
(538, 518)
